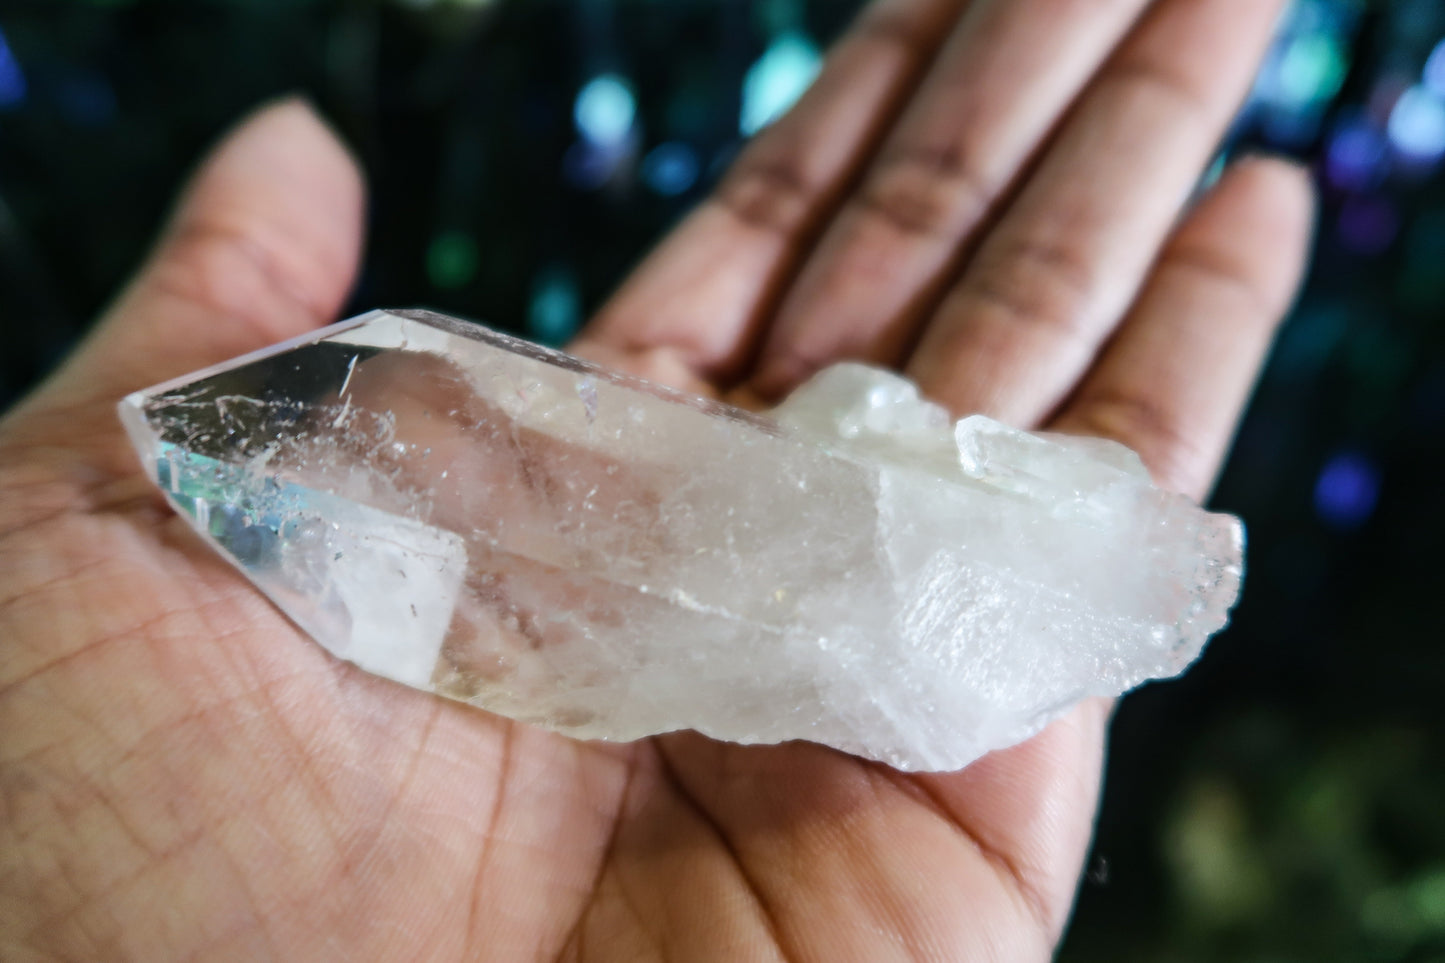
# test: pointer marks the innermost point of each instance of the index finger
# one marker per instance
(691, 310)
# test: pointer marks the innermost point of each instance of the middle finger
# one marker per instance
(1007, 72)
(1051, 281)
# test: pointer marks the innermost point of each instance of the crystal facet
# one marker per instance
(477, 516)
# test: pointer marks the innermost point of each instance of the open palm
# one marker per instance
(987, 194)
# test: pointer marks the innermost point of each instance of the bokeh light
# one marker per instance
(1358, 156)
(1417, 125)
(1347, 490)
(12, 80)
(778, 79)
(1310, 71)
(555, 312)
(1303, 72)
(670, 169)
(1434, 73)
(452, 260)
(605, 110)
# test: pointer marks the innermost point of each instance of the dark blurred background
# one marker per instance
(1285, 801)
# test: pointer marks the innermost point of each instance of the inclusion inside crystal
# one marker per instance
(473, 515)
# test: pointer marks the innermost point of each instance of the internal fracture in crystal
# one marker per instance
(573, 548)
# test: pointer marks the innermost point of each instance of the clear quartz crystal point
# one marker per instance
(502, 524)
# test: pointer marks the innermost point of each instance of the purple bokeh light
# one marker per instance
(1358, 157)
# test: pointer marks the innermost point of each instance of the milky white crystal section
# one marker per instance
(502, 524)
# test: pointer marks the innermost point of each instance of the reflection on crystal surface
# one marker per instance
(502, 524)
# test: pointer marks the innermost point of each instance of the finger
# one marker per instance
(264, 245)
(1051, 281)
(997, 89)
(1170, 386)
(691, 309)
(1173, 381)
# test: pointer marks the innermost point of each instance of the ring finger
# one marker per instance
(1051, 281)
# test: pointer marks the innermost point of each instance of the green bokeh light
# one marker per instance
(452, 260)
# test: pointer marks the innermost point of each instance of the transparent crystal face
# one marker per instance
(479, 517)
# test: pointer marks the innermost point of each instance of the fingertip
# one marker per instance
(295, 110)
(1294, 183)
(1264, 209)
(286, 153)
(283, 185)
(293, 118)
(1281, 189)
(1278, 167)
(297, 115)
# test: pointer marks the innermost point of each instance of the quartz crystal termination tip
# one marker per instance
(573, 548)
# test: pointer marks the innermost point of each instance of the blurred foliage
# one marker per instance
(1286, 800)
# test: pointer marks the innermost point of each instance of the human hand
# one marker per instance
(183, 774)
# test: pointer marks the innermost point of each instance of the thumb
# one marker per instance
(264, 245)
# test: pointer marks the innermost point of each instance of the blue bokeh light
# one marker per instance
(1434, 75)
(1417, 125)
(1348, 490)
(13, 88)
(1358, 157)
(671, 169)
(605, 110)
(555, 312)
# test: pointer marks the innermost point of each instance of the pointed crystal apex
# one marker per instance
(476, 516)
